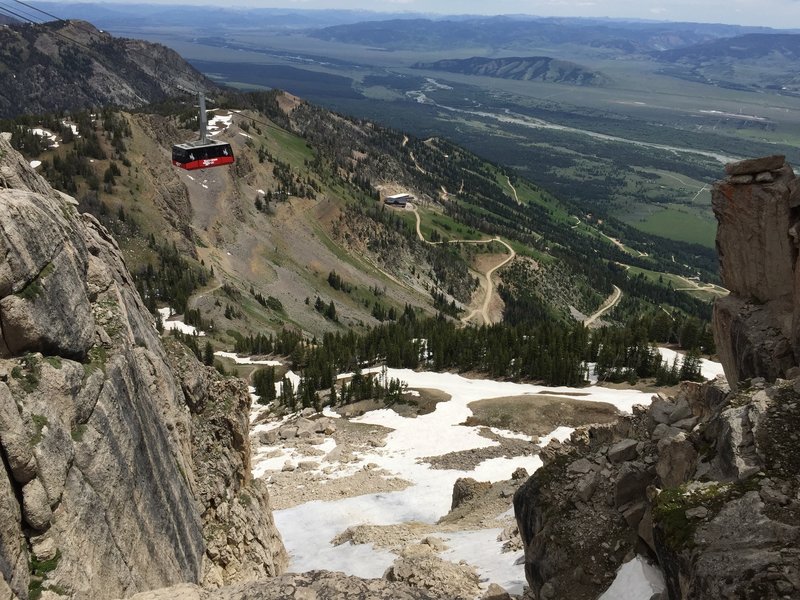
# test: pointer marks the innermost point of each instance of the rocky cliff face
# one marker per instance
(121, 471)
(703, 484)
(757, 327)
(43, 72)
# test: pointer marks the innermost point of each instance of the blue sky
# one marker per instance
(775, 13)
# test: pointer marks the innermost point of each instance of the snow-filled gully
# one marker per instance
(308, 529)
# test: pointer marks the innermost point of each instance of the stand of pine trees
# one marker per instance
(546, 351)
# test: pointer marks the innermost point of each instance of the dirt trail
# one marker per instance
(699, 286)
(621, 246)
(610, 303)
(413, 158)
(513, 189)
(484, 310)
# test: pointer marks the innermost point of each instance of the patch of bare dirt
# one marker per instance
(467, 460)
(310, 478)
(288, 489)
(419, 401)
(539, 414)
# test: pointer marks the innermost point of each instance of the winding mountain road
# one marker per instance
(483, 311)
(609, 303)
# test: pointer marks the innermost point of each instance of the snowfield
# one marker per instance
(708, 368)
(171, 323)
(247, 360)
(308, 528)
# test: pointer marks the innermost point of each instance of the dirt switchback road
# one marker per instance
(610, 303)
(484, 310)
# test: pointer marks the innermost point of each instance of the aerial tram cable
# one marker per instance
(25, 16)
(44, 12)
(183, 89)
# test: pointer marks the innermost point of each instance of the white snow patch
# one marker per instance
(41, 132)
(560, 433)
(592, 374)
(481, 548)
(176, 324)
(218, 124)
(247, 360)
(708, 368)
(510, 434)
(329, 445)
(636, 580)
(369, 371)
(35, 164)
(247, 135)
(72, 126)
(500, 469)
(291, 376)
(305, 528)
(329, 412)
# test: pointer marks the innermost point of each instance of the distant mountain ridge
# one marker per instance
(69, 65)
(517, 32)
(531, 68)
(750, 61)
(750, 46)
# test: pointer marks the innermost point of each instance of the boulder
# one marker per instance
(495, 592)
(677, 460)
(622, 451)
(660, 411)
(465, 489)
(519, 474)
(420, 567)
(756, 165)
(35, 506)
(631, 483)
(586, 486)
(755, 251)
(663, 431)
(581, 465)
(305, 427)
(14, 438)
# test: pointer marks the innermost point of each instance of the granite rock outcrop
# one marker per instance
(125, 464)
(704, 484)
(757, 327)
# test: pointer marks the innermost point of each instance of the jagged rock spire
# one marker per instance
(757, 327)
